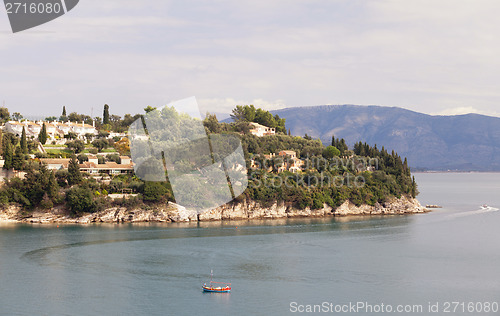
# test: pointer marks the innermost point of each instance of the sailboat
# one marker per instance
(217, 287)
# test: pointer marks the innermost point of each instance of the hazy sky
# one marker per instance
(437, 57)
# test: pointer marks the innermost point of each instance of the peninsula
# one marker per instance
(57, 171)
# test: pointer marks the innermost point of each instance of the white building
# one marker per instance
(54, 129)
(261, 130)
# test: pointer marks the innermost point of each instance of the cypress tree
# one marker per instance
(64, 111)
(24, 143)
(343, 145)
(105, 114)
(7, 155)
(414, 188)
(42, 137)
(18, 159)
(52, 187)
(74, 175)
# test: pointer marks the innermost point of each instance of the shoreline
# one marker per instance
(246, 210)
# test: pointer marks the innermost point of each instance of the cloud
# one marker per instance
(466, 110)
(458, 111)
(422, 56)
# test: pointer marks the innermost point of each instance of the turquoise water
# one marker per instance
(451, 254)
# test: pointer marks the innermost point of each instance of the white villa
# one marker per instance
(261, 130)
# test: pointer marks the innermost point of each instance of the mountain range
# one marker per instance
(468, 142)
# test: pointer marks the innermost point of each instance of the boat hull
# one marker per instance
(215, 290)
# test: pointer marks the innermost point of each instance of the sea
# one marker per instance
(446, 262)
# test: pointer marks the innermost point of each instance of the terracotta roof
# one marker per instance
(55, 160)
(107, 165)
(64, 162)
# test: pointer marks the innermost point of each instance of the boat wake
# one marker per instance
(482, 210)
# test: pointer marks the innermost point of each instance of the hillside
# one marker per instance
(462, 142)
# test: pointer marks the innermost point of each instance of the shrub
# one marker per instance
(154, 191)
(80, 199)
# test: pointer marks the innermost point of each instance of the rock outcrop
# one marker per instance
(232, 211)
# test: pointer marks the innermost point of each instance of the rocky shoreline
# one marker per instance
(232, 211)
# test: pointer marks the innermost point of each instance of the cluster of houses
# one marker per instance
(289, 162)
(92, 167)
(55, 130)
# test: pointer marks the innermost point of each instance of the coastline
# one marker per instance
(172, 213)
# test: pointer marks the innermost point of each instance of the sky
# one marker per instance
(436, 57)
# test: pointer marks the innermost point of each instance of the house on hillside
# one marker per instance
(288, 162)
(261, 130)
(55, 163)
(92, 166)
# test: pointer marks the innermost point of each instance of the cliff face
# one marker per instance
(238, 211)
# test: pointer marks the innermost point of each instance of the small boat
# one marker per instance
(433, 206)
(217, 287)
(484, 206)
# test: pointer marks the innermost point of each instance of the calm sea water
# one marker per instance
(452, 254)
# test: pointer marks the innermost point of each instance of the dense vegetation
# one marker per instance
(332, 174)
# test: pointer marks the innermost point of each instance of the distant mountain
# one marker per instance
(462, 142)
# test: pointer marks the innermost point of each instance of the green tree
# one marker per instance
(414, 190)
(71, 135)
(105, 115)
(63, 117)
(331, 152)
(42, 137)
(16, 116)
(24, 142)
(100, 144)
(74, 174)
(149, 108)
(52, 186)
(154, 191)
(75, 117)
(4, 114)
(82, 158)
(80, 199)
(211, 123)
(18, 159)
(8, 155)
(77, 146)
(50, 119)
(238, 113)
